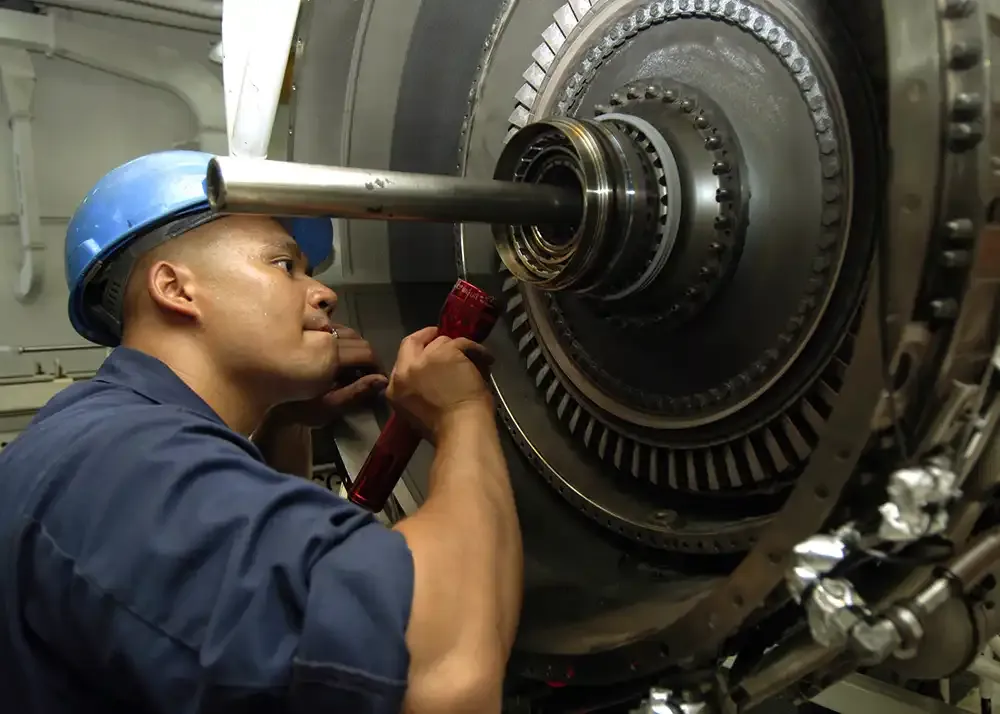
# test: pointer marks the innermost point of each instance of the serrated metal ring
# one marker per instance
(751, 457)
(672, 189)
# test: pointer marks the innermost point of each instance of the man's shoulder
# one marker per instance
(93, 423)
(96, 400)
(92, 411)
(98, 453)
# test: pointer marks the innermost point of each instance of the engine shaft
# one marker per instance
(260, 186)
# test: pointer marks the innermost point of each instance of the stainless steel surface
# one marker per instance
(260, 186)
(974, 564)
(949, 640)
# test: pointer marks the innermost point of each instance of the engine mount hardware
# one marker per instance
(775, 319)
(693, 345)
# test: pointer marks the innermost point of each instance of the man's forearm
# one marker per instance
(468, 560)
(471, 484)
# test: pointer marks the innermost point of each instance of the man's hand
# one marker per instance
(359, 380)
(436, 378)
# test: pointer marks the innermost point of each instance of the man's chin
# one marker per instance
(306, 379)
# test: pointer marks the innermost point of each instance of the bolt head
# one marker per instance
(961, 229)
(955, 258)
(954, 9)
(963, 136)
(944, 309)
(967, 105)
(964, 55)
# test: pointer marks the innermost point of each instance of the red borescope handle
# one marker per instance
(467, 312)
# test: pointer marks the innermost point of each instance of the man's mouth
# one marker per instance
(317, 326)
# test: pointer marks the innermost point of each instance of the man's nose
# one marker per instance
(323, 298)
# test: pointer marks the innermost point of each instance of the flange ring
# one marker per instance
(672, 210)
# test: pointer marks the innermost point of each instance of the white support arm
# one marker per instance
(256, 41)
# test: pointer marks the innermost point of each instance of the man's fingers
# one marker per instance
(474, 351)
(373, 381)
(423, 337)
(367, 386)
(356, 353)
(414, 344)
(370, 383)
(437, 342)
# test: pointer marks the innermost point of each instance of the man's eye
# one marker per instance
(287, 264)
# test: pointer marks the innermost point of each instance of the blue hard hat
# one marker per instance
(136, 199)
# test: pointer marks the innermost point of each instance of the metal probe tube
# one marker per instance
(282, 188)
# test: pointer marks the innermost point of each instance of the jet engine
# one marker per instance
(747, 259)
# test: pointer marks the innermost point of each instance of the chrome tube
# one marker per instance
(281, 188)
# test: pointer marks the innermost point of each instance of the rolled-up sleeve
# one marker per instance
(204, 581)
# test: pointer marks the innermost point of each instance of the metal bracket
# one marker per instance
(858, 693)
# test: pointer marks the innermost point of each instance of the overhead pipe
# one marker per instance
(17, 78)
(139, 13)
(154, 65)
(256, 42)
(206, 10)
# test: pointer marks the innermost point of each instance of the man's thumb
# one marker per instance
(368, 383)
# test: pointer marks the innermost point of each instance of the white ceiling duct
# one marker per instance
(141, 13)
(207, 10)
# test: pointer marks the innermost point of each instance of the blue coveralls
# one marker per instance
(151, 562)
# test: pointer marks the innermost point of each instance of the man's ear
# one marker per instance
(172, 287)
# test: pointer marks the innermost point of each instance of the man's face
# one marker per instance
(261, 314)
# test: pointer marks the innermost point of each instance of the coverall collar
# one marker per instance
(151, 378)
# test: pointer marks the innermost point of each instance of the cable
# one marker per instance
(945, 551)
(883, 315)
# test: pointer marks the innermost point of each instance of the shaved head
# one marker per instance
(240, 289)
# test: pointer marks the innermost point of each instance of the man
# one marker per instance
(153, 562)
